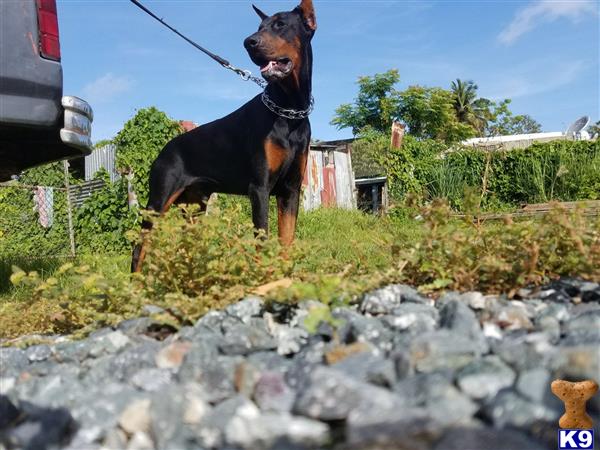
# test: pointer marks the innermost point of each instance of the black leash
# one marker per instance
(245, 74)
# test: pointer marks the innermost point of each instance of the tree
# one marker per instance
(594, 130)
(502, 121)
(429, 114)
(139, 143)
(375, 106)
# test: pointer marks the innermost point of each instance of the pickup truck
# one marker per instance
(37, 123)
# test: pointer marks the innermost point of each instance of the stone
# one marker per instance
(524, 351)
(534, 384)
(8, 412)
(509, 409)
(246, 308)
(435, 393)
(376, 427)
(151, 379)
(513, 317)
(359, 328)
(384, 300)
(136, 417)
(115, 439)
(475, 300)
(212, 321)
(369, 368)
(140, 441)
(413, 317)
(126, 363)
(486, 438)
(41, 428)
(289, 340)
(196, 407)
(331, 395)
(271, 393)
(456, 316)
(275, 430)
(443, 349)
(582, 329)
(484, 377)
(117, 340)
(211, 432)
(12, 361)
(243, 339)
(577, 362)
(37, 353)
(341, 352)
(171, 356)
(245, 377)
(215, 375)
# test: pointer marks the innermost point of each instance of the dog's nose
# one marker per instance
(252, 41)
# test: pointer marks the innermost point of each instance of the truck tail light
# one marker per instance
(48, 29)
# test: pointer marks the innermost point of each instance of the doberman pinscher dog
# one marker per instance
(259, 150)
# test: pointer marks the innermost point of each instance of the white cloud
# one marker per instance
(106, 87)
(543, 11)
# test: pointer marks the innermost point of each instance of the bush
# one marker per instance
(557, 170)
(139, 143)
(103, 220)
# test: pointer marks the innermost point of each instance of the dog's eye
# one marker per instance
(279, 24)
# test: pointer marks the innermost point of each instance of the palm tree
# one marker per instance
(469, 109)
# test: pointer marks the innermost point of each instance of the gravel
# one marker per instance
(399, 371)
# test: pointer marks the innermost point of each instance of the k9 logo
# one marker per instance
(576, 439)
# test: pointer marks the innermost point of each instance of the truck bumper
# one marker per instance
(77, 131)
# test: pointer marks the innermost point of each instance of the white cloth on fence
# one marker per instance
(43, 199)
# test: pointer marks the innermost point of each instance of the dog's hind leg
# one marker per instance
(163, 193)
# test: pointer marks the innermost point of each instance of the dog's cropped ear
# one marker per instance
(308, 13)
(261, 14)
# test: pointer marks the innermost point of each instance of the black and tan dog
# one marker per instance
(256, 150)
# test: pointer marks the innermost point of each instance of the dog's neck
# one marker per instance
(295, 91)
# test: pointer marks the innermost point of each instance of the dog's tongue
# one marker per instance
(268, 66)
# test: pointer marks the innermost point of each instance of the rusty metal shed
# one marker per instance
(329, 179)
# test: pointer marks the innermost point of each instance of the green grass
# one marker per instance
(196, 263)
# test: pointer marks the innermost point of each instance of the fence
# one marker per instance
(35, 221)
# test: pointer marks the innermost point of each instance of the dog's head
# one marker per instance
(277, 45)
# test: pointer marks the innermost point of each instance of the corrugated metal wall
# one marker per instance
(329, 180)
(104, 157)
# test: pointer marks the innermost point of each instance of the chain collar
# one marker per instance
(287, 113)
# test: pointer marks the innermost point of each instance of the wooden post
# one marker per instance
(397, 134)
(69, 213)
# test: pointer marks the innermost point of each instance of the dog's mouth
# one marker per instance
(276, 68)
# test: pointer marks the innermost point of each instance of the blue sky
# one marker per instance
(544, 55)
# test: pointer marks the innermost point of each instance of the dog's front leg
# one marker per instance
(259, 200)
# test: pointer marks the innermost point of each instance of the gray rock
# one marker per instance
(367, 367)
(167, 412)
(331, 395)
(384, 300)
(137, 326)
(405, 428)
(151, 379)
(359, 328)
(245, 309)
(12, 361)
(125, 364)
(215, 375)
(271, 393)
(486, 438)
(413, 317)
(136, 417)
(534, 384)
(443, 349)
(525, 351)
(509, 409)
(38, 353)
(140, 441)
(582, 329)
(455, 315)
(436, 394)
(484, 377)
(281, 430)
(289, 340)
(212, 321)
(68, 352)
(243, 339)
(578, 362)
(211, 432)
